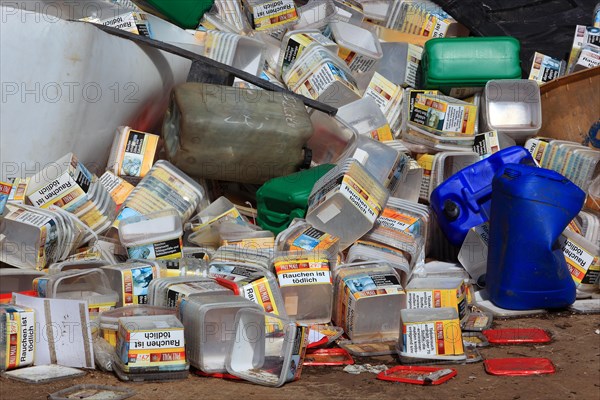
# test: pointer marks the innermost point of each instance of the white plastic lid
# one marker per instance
(150, 228)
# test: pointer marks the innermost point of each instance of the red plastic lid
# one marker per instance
(322, 342)
(216, 375)
(328, 357)
(417, 375)
(517, 335)
(519, 366)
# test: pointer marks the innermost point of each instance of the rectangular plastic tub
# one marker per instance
(267, 350)
(210, 322)
(469, 62)
(512, 107)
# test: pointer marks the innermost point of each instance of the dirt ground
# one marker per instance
(575, 351)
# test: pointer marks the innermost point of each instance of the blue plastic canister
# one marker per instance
(463, 200)
(530, 209)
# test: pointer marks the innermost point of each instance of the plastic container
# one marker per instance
(359, 47)
(368, 298)
(130, 280)
(463, 201)
(512, 107)
(280, 200)
(16, 280)
(251, 281)
(400, 63)
(530, 209)
(164, 187)
(205, 122)
(315, 14)
(185, 13)
(91, 285)
(132, 153)
(210, 329)
(306, 287)
(109, 320)
(432, 334)
(469, 62)
(265, 15)
(168, 292)
(17, 336)
(150, 344)
(322, 76)
(152, 236)
(302, 237)
(244, 53)
(366, 118)
(337, 199)
(73, 265)
(437, 293)
(295, 42)
(267, 350)
(350, 11)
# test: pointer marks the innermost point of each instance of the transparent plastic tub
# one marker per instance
(17, 336)
(152, 236)
(109, 320)
(442, 324)
(400, 63)
(16, 280)
(210, 322)
(267, 350)
(131, 279)
(437, 292)
(368, 298)
(359, 47)
(513, 107)
(91, 285)
(306, 286)
(138, 336)
(295, 42)
(366, 118)
(71, 265)
(335, 200)
(168, 292)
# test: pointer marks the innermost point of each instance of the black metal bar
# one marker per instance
(169, 48)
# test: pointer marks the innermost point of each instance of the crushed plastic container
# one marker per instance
(267, 350)
(158, 235)
(210, 326)
(530, 208)
(512, 107)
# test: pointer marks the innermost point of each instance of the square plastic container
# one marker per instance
(359, 47)
(437, 293)
(150, 344)
(306, 285)
(346, 193)
(368, 299)
(267, 350)
(17, 336)
(400, 63)
(130, 280)
(109, 320)
(16, 280)
(91, 285)
(366, 118)
(432, 334)
(210, 323)
(158, 235)
(512, 107)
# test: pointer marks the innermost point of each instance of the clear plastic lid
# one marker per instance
(150, 228)
(357, 39)
(267, 350)
(110, 319)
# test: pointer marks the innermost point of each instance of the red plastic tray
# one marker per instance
(517, 336)
(416, 375)
(519, 366)
(328, 357)
(216, 375)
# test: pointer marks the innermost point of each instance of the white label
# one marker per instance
(420, 339)
(29, 218)
(576, 253)
(149, 340)
(358, 202)
(419, 299)
(301, 277)
(62, 184)
(453, 121)
(484, 233)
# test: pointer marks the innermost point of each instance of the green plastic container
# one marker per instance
(280, 200)
(469, 61)
(184, 13)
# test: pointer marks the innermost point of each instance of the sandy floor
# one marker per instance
(575, 350)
